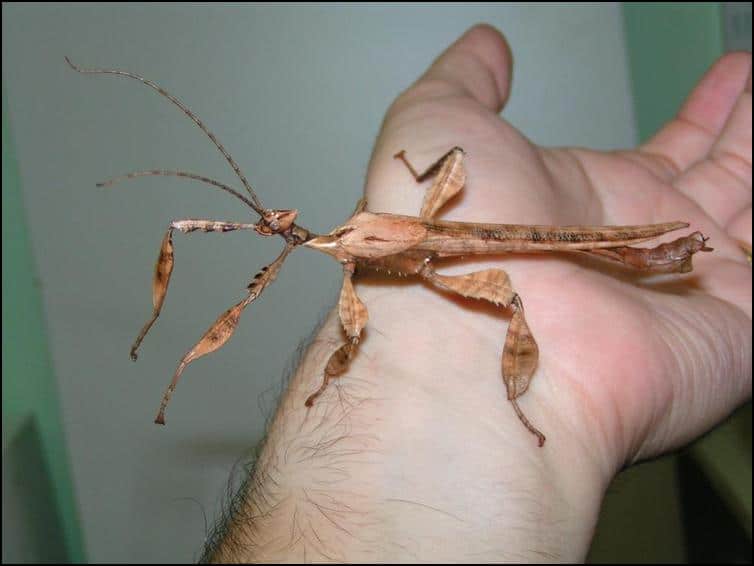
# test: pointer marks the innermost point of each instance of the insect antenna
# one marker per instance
(257, 205)
(183, 174)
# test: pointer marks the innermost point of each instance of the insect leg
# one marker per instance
(520, 353)
(360, 206)
(164, 266)
(224, 327)
(449, 178)
(520, 356)
(353, 316)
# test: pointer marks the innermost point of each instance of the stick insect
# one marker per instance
(403, 245)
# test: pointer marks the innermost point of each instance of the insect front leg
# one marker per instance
(450, 176)
(224, 327)
(520, 353)
(164, 266)
(353, 316)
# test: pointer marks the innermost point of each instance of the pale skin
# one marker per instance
(414, 456)
(413, 453)
(418, 456)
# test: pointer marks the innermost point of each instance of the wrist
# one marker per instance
(399, 458)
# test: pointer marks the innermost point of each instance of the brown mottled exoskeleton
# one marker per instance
(406, 245)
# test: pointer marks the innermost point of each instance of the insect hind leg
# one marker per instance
(520, 352)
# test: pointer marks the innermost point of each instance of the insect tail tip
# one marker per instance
(160, 419)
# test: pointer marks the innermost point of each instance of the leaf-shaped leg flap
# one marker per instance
(520, 356)
(160, 281)
(449, 178)
(353, 316)
(217, 335)
(224, 327)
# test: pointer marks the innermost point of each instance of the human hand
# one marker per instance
(415, 453)
(629, 367)
(680, 335)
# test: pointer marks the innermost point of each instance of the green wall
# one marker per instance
(37, 488)
(670, 46)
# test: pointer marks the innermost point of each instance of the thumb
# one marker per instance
(478, 65)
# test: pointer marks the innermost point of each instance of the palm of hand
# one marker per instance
(628, 366)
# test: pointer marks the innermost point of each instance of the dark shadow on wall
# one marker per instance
(32, 529)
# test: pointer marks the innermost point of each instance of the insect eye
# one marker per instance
(274, 224)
